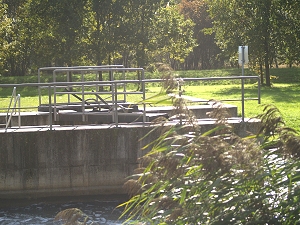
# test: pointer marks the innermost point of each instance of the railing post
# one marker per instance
(50, 107)
(39, 87)
(54, 96)
(243, 101)
(82, 97)
(144, 96)
(179, 82)
(258, 87)
(243, 88)
(19, 111)
(115, 90)
(124, 86)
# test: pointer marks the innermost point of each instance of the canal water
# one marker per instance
(99, 210)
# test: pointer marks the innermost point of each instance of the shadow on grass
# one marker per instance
(23, 91)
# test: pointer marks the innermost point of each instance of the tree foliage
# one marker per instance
(64, 33)
(5, 30)
(205, 53)
(183, 33)
(288, 35)
(16, 37)
(259, 24)
(172, 39)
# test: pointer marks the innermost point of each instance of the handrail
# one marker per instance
(9, 114)
(242, 78)
(13, 96)
(67, 68)
(111, 83)
(53, 85)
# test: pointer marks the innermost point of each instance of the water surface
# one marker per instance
(100, 211)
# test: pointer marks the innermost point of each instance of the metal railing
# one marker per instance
(53, 86)
(68, 71)
(242, 78)
(12, 107)
(113, 84)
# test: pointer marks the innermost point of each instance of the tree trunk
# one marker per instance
(261, 73)
(276, 63)
(267, 64)
(267, 67)
(267, 7)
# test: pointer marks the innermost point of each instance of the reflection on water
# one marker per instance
(99, 211)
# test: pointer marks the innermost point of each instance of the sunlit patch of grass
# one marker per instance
(284, 93)
(284, 96)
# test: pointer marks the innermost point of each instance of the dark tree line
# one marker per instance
(185, 34)
(37, 33)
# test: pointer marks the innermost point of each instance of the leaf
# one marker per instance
(218, 128)
(183, 196)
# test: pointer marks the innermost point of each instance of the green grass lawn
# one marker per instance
(284, 94)
(285, 97)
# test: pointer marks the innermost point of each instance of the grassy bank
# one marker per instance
(285, 92)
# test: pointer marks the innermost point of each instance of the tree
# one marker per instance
(64, 20)
(5, 25)
(16, 37)
(204, 55)
(36, 33)
(137, 26)
(101, 26)
(42, 33)
(288, 36)
(250, 23)
(172, 36)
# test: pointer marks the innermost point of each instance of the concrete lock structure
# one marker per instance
(76, 161)
(73, 150)
(68, 162)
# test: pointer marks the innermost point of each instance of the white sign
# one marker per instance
(243, 50)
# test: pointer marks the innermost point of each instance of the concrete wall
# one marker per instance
(68, 162)
(72, 161)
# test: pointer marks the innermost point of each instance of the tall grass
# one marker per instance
(217, 177)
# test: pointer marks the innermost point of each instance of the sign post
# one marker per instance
(243, 59)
